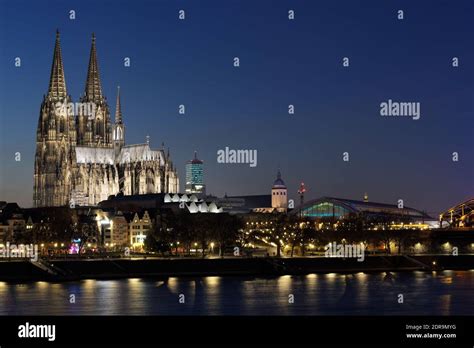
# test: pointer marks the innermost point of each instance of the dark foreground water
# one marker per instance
(436, 293)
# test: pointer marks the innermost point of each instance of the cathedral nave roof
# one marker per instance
(140, 152)
(99, 155)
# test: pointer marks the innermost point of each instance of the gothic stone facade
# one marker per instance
(81, 157)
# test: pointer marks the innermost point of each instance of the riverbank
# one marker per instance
(65, 270)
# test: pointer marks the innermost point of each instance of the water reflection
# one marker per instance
(173, 284)
(432, 293)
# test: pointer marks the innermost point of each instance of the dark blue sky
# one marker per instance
(282, 62)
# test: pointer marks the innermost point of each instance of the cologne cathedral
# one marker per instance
(81, 157)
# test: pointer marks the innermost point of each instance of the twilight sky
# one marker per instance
(282, 62)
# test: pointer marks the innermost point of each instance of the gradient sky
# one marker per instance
(282, 62)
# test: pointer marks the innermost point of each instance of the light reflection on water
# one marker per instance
(424, 293)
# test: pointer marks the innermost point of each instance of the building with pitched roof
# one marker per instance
(81, 156)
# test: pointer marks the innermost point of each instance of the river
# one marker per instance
(423, 293)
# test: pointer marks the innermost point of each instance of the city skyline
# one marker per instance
(392, 161)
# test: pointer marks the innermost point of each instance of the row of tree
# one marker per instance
(298, 233)
(59, 224)
(182, 231)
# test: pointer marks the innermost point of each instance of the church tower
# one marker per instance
(55, 137)
(118, 133)
(95, 127)
(279, 194)
(81, 157)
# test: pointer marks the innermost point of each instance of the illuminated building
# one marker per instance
(279, 194)
(195, 176)
(331, 208)
(81, 156)
(277, 201)
(139, 227)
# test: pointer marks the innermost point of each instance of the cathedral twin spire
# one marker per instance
(89, 129)
(57, 82)
(93, 86)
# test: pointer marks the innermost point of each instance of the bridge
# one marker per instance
(461, 215)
